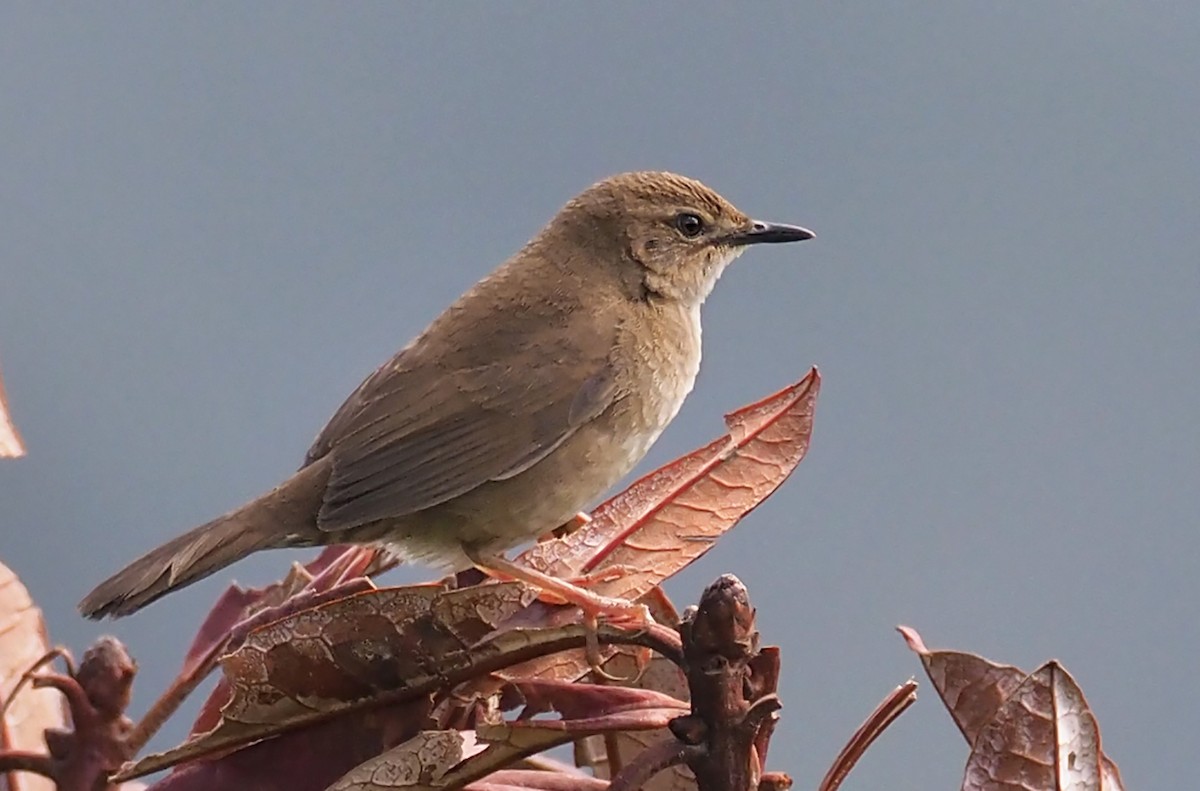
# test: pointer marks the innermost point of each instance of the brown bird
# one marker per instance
(521, 404)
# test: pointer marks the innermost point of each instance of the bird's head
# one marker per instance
(670, 234)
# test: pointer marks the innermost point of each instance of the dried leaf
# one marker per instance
(672, 516)
(305, 760)
(1043, 738)
(22, 643)
(425, 761)
(1032, 732)
(333, 658)
(375, 650)
(659, 674)
(973, 688)
(11, 446)
(237, 604)
(586, 708)
(239, 612)
(530, 780)
(448, 760)
(1110, 775)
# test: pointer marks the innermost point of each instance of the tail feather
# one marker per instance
(285, 516)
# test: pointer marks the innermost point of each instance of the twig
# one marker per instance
(734, 705)
(97, 694)
(21, 761)
(58, 652)
(651, 761)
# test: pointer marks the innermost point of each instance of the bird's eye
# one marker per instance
(689, 224)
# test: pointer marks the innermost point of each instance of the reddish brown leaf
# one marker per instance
(973, 688)
(581, 701)
(10, 441)
(424, 762)
(240, 611)
(331, 658)
(237, 612)
(447, 760)
(530, 780)
(659, 674)
(305, 760)
(22, 643)
(237, 604)
(672, 516)
(374, 650)
(1032, 732)
(1110, 775)
(1043, 738)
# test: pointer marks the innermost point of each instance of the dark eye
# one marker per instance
(689, 224)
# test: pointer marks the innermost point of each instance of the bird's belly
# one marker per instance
(502, 514)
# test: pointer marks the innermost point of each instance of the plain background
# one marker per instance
(216, 219)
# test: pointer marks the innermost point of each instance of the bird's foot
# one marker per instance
(615, 611)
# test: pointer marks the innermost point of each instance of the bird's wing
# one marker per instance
(424, 428)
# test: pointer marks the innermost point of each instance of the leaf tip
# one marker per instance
(913, 638)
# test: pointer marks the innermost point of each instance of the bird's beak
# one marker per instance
(768, 233)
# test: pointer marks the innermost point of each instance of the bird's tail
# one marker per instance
(283, 517)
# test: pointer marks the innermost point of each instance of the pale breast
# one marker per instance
(666, 366)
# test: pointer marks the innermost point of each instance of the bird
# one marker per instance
(527, 399)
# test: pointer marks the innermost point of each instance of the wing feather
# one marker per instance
(421, 431)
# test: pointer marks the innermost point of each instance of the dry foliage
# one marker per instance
(10, 441)
(1027, 731)
(328, 683)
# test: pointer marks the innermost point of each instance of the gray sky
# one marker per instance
(217, 218)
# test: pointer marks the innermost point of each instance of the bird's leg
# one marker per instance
(618, 612)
